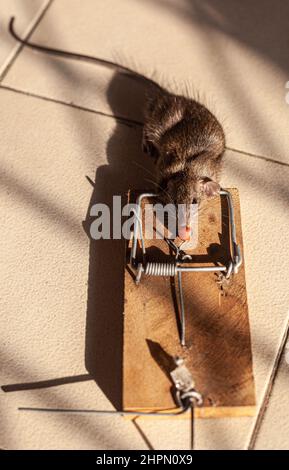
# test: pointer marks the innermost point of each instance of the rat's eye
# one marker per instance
(172, 163)
(191, 158)
(177, 175)
(170, 157)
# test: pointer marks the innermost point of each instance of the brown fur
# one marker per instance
(188, 143)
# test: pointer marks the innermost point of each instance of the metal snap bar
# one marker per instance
(176, 267)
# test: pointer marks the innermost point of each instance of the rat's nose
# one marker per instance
(185, 232)
(184, 221)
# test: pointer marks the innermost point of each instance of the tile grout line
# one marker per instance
(121, 119)
(261, 157)
(28, 32)
(268, 390)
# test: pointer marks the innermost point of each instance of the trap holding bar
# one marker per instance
(177, 267)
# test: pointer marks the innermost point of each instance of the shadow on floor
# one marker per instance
(46, 383)
(127, 168)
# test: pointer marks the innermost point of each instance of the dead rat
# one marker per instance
(188, 143)
(183, 136)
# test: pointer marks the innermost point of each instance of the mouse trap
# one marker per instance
(188, 302)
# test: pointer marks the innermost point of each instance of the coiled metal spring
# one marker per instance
(160, 269)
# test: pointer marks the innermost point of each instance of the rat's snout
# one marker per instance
(186, 197)
(185, 232)
(181, 191)
(185, 220)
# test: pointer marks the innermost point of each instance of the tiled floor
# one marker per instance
(56, 128)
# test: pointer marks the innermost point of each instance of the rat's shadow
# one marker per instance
(127, 167)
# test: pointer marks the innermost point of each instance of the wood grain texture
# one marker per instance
(218, 345)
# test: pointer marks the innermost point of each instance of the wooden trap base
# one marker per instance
(218, 346)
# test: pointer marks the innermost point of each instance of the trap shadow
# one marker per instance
(127, 167)
(164, 360)
(219, 253)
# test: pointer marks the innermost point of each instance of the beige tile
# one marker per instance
(264, 208)
(27, 13)
(274, 430)
(54, 325)
(235, 55)
(50, 327)
(209, 434)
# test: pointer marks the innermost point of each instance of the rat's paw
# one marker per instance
(210, 188)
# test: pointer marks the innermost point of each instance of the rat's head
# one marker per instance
(184, 189)
(183, 177)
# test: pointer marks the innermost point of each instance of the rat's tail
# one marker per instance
(76, 56)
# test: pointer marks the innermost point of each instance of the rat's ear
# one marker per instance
(210, 188)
